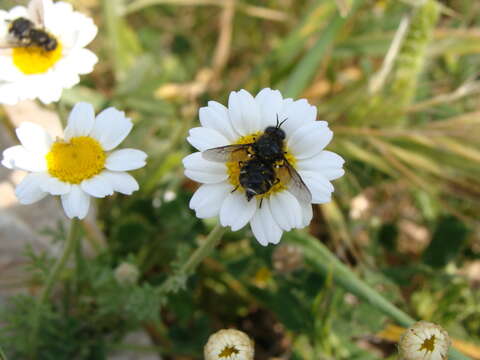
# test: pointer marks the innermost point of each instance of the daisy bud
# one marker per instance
(424, 341)
(126, 274)
(229, 344)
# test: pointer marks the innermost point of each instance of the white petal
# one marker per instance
(244, 113)
(298, 113)
(29, 190)
(264, 227)
(17, 157)
(318, 185)
(111, 128)
(55, 186)
(270, 103)
(215, 117)
(209, 198)
(125, 160)
(236, 211)
(286, 210)
(310, 139)
(80, 121)
(34, 138)
(121, 182)
(97, 186)
(76, 203)
(307, 214)
(327, 163)
(204, 138)
(204, 171)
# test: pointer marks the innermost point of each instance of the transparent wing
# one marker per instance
(296, 185)
(225, 153)
(10, 42)
(36, 12)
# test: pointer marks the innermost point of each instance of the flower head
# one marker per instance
(41, 69)
(264, 191)
(126, 274)
(229, 344)
(79, 166)
(424, 341)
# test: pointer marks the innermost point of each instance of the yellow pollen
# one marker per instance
(228, 351)
(233, 167)
(77, 160)
(428, 344)
(36, 60)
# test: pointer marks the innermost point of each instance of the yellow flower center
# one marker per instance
(238, 157)
(36, 60)
(428, 344)
(228, 351)
(77, 160)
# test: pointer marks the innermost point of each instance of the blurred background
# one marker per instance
(399, 83)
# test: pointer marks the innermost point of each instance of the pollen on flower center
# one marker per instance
(77, 160)
(239, 157)
(428, 344)
(36, 60)
(228, 351)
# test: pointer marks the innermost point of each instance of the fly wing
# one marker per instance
(296, 185)
(9, 42)
(224, 153)
(36, 12)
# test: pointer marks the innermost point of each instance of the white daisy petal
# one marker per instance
(236, 211)
(307, 214)
(34, 138)
(244, 112)
(286, 210)
(264, 227)
(204, 171)
(121, 182)
(111, 128)
(80, 121)
(327, 163)
(215, 117)
(204, 138)
(76, 203)
(29, 190)
(55, 186)
(97, 186)
(125, 160)
(318, 185)
(270, 103)
(208, 199)
(298, 113)
(17, 157)
(310, 139)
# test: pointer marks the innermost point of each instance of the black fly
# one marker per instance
(263, 164)
(23, 32)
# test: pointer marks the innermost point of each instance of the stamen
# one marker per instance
(428, 344)
(36, 60)
(77, 160)
(228, 351)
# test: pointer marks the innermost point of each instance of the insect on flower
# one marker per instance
(42, 50)
(262, 164)
(261, 160)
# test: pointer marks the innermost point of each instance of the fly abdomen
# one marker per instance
(256, 177)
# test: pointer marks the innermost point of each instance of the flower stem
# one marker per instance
(60, 264)
(204, 250)
(68, 249)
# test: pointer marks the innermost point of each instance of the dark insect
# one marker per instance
(262, 164)
(25, 33)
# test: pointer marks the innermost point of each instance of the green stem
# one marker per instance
(68, 249)
(322, 260)
(204, 250)
(60, 264)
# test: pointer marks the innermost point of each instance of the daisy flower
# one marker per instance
(229, 344)
(245, 120)
(30, 71)
(79, 166)
(424, 341)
